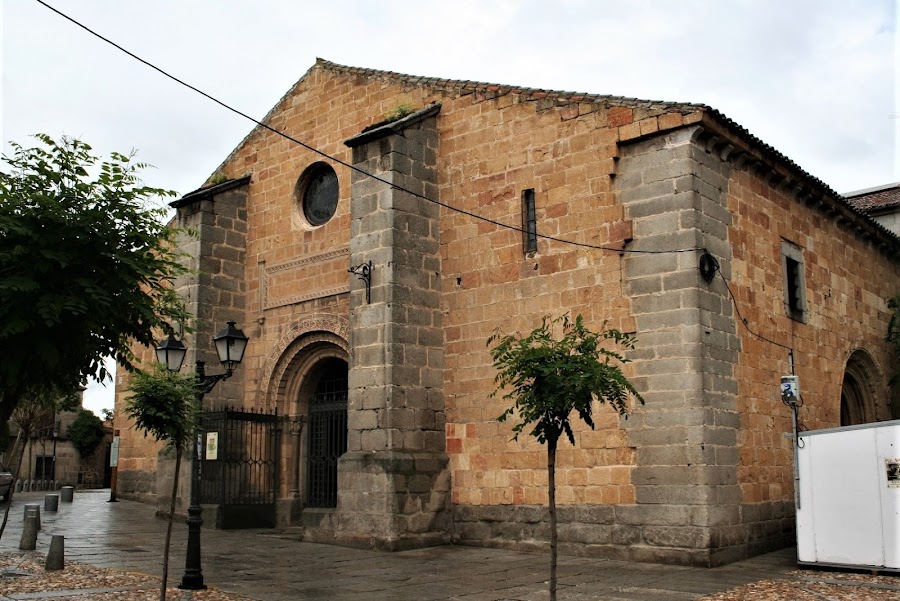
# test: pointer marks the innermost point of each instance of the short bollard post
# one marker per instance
(30, 528)
(67, 493)
(56, 556)
(51, 502)
(37, 512)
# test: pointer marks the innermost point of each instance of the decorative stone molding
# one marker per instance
(269, 273)
(327, 328)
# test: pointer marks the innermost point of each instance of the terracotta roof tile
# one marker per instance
(875, 199)
(694, 110)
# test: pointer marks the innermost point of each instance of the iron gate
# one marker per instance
(239, 468)
(327, 434)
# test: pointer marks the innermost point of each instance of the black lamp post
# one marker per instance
(230, 345)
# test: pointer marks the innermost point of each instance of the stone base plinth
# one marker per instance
(678, 534)
(392, 500)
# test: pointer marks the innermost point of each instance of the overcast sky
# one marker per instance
(816, 79)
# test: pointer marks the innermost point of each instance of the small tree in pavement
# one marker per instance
(549, 378)
(162, 404)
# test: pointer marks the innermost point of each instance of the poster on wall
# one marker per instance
(892, 464)
(212, 446)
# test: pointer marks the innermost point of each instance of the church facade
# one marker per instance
(366, 256)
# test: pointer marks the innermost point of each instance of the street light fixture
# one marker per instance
(230, 346)
(171, 353)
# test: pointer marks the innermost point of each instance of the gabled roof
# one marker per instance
(465, 87)
(779, 165)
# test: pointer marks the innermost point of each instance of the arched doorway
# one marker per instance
(293, 371)
(326, 430)
(861, 402)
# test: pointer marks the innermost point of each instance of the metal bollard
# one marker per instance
(67, 493)
(30, 528)
(56, 556)
(51, 502)
(37, 509)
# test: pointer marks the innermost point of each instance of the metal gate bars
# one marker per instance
(239, 467)
(327, 434)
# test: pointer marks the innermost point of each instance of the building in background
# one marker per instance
(731, 265)
(51, 456)
(882, 203)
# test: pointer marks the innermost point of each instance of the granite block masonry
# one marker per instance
(393, 483)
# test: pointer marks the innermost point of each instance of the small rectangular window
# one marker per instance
(794, 281)
(529, 222)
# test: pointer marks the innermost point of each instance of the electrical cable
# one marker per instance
(348, 165)
(798, 403)
(737, 310)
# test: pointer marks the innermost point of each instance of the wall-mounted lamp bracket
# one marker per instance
(364, 272)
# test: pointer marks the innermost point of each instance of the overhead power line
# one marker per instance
(344, 163)
(447, 206)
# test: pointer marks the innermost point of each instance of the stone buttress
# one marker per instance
(393, 482)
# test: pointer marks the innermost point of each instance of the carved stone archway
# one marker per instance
(331, 328)
(863, 397)
(299, 350)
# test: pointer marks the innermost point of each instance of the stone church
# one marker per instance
(360, 238)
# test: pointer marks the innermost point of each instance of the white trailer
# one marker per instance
(848, 512)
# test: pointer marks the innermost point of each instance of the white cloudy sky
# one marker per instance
(816, 79)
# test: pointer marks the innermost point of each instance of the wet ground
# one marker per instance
(272, 565)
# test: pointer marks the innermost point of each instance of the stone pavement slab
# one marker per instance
(272, 565)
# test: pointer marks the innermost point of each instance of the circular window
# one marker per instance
(318, 193)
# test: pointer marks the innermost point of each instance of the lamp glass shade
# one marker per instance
(230, 345)
(171, 353)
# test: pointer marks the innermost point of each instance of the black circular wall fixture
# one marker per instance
(708, 266)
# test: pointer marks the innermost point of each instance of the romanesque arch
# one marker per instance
(863, 397)
(304, 355)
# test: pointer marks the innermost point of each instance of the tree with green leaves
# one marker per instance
(549, 378)
(86, 433)
(163, 405)
(893, 336)
(86, 266)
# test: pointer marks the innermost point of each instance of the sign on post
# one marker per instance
(212, 446)
(114, 452)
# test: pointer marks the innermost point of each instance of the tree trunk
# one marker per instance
(30, 457)
(12, 487)
(165, 572)
(554, 539)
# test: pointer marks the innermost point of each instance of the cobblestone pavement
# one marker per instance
(271, 565)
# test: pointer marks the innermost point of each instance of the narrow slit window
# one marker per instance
(529, 222)
(794, 281)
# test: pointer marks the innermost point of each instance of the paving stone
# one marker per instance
(273, 565)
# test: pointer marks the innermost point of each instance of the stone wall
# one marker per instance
(215, 292)
(700, 475)
(687, 495)
(393, 482)
(848, 279)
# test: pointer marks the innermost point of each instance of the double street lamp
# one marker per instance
(230, 345)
